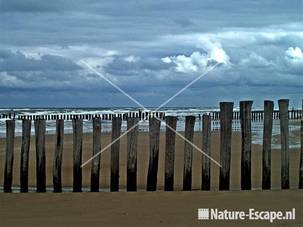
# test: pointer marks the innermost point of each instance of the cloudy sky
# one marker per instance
(151, 50)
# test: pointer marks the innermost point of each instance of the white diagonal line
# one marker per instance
(111, 83)
(139, 104)
(187, 86)
(191, 143)
(108, 146)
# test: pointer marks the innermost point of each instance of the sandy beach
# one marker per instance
(145, 208)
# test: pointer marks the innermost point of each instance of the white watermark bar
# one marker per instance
(251, 214)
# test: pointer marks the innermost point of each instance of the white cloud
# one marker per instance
(255, 60)
(96, 62)
(293, 61)
(197, 61)
(187, 64)
(166, 60)
(131, 59)
(184, 64)
(294, 53)
(8, 80)
(219, 55)
(74, 53)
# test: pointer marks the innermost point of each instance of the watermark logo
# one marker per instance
(203, 214)
(251, 214)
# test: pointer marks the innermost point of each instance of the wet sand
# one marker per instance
(141, 208)
(145, 208)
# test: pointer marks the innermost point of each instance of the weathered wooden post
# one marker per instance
(114, 177)
(301, 153)
(206, 148)
(25, 146)
(95, 168)
(132, 143)
(301, 159)
(9, 155)
(226, 110)
(171, 122)
(283, 109)
(57, 162)
(245, 117)
(77, 154)
(154, 141)
(267, 134)
(188, 152)
(40, 155)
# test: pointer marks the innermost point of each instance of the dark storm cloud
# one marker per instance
(29, 6)
(48, 71)
(99, 22)
(19, 62)
(151, 49)
(125, 66)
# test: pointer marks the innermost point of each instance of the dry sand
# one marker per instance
(145, 208)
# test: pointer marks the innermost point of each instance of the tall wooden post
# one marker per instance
(116, 131)
(95, 168)
(154, 141)
(245, 116)
(283, 109)
(40, 155)
(9, 155)
(301, 159)
(188, 152)
(132, 143)
(267, 134)
(77, 154)
(301, 155)
(57, 163)
(170, 153)
(25, 146)
(226, 111)
(206, 148)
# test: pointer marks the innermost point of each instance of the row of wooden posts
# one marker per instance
(226, 112)
(138, 114)
(256, 115)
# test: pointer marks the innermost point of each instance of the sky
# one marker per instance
(151, 49)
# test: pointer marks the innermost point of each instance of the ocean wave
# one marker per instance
(257, 126)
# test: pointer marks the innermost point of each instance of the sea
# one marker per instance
(180, 112)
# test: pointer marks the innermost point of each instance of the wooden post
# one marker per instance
(132, 140)
(170, 153)
(188, 152)
(206, 148)
(283, 109)
(9, 155)
(114, 177)
(25, 146)
(154, 141)
(95, 169)
(40, 155)
(245, 117)
(77, 154)
(267, 134)
(301, 159)
(57, 163)
(226, 110)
